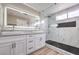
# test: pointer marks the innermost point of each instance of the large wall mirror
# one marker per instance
(19, 19)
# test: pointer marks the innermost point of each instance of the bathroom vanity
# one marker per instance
(19, 32)
(21, 43)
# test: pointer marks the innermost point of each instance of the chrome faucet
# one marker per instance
(13, 25)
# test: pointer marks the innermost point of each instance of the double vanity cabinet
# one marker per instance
(15, 23)
(21, 44)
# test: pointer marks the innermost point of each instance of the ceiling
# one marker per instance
(39, 6)
(49, 8)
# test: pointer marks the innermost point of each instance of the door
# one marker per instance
(20, 47)
(6, 48)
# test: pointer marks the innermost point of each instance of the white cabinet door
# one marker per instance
(20, 47)
(37, 43)
(30, 48)
(40, 41)
(6, 48)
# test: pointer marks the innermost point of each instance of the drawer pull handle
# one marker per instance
(30, 47)
(30, 41)
(14, 45)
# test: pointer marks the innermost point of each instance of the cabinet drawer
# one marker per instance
(30, 39)
(30, 44)
(30, 49)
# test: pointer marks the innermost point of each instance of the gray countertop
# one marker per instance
(17, 33)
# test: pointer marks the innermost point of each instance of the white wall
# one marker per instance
(1, 15)
(68, 36)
